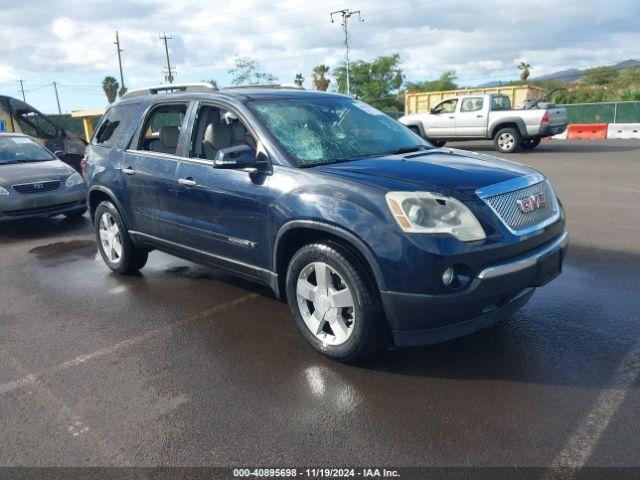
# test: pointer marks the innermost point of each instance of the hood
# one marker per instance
(440, 170)
(17, 173)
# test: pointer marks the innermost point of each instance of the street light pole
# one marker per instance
(346, 14)
(117, 43)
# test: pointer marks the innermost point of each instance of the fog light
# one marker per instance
(448, 276)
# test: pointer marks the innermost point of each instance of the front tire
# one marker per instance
(115, 245)
(436, 143)
(334, 303)
(530, 143)
(507, 140)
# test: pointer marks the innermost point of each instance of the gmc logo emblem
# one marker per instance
(532, 202)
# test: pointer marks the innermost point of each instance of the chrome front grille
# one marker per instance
(37, 187)
(506, 206)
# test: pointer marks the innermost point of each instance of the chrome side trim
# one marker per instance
(510, 185)
(526, 262)
(201, 252)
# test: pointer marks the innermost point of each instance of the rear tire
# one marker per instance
(114, 244)
(507, 140)
(340, 316)
(436, 143)
(530, 143)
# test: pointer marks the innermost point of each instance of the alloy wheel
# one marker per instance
(506, 141)
(110, 238)
(326, 303)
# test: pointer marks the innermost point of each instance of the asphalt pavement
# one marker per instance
(185, 366)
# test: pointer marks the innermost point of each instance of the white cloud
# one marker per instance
(480, 40)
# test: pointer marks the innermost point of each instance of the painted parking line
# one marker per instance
(32, 378)
(583, 442)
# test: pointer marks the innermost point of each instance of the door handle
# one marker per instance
(128, 171)
(187, 182)
(451, 118)
(479, 116)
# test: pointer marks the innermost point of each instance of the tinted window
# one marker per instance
(113, 125)
(22, 150)
(500, 103)
(472, 104)
(321, 129)
(161, 129)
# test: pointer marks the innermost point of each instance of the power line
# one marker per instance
(169, 73)
(346, 14)
(117, 43)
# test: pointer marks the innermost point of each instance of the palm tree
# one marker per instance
(110, 86)
(320, 82)
(299, 80)
(524, 71)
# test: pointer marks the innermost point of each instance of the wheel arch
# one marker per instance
(510, 122)
(98, 194)
(295, 234)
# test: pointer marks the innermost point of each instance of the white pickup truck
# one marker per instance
(489, 116)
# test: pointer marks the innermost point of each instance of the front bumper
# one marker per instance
(19, 207)
(496, 291)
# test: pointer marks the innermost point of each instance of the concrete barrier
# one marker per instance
(623, 130)
(587, 131)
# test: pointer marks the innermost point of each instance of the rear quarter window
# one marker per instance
(113, 124)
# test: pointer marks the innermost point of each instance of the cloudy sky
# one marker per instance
(71, 41)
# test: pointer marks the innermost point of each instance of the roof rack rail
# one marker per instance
(263, 85)
(170, 88)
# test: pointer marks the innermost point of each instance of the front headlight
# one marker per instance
(73, 179)
(424, 212)
(3, 192)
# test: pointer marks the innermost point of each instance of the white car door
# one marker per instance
(471, 119)
(442, 119)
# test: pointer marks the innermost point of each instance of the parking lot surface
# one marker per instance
(185, 366)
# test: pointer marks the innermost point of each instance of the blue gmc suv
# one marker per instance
(372, 235)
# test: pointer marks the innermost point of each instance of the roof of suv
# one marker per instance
(244, 93)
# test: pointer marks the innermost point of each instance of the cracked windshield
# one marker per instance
(330, 130)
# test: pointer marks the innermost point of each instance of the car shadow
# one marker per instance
(51, 227)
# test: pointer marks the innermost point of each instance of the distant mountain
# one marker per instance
(573, 74)
(567, 76)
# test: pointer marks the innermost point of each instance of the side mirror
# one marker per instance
(239, 157)
(59, 153)
(432, 111)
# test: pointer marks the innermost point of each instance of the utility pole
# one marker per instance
(169, 73)
(22, 89)
(346, 14)
(117, 44)
(55, 87)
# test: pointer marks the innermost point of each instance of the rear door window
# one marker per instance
(113, 125)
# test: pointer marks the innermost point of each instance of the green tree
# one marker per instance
(377, 82)
(320, 81)
(524, 68)
(246, 71)
(122, 91)
(110, 86)
(447, 81)
(600, 76)
(299, 80)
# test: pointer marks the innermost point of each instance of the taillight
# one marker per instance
(545, 117)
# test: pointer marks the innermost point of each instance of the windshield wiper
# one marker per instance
(409, 149)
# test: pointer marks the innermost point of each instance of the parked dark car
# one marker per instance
(35, 183)
(370, 233)
(17, 116)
